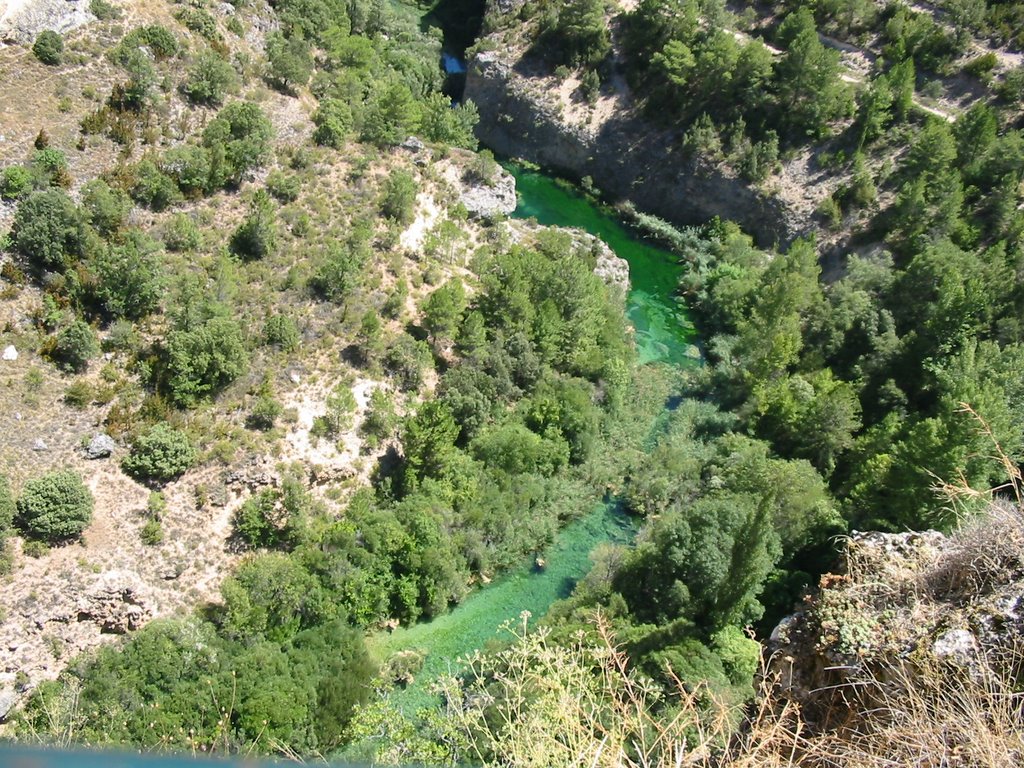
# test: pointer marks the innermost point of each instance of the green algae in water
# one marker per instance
(664, 332)
(477, 620)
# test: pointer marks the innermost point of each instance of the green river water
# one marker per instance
(664, 334)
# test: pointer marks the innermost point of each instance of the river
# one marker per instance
(663, 334)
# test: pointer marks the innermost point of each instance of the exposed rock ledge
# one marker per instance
(625, 156)
(22, 20)
(904, 603)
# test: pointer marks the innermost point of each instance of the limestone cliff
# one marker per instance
(526, 113)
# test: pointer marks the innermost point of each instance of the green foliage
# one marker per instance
(153, 187)
(7, 507)
(443, 310)
(398, 199)
(256, 236)
(264, 413)
(48, 230)
(280, 331)
(391, 115)
(152, 533)
(54, 507)
(106, 208)
(160, 453)
(209, 79)
(447, 124)
(580, 33)
(199, 21)
(204, 359)
(333, 120)
(15, 182)
(180, 233)
(239, 141)
(129, 278)
(103, 10)
(258, 521)
(48, 47)
(291, 64)
(406, 359)
(340, 271)
(74, 346)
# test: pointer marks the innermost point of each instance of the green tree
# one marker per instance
(160, 453)
(398, 199)
(106, 208)
(290, 62)
(811, 92)
(74, 346)
(55, 507)
(333, 121)
(204, 359)
(391, 115)
(256, 236)
(128, 277)
(209, 78)
(48, 230)
(48, 47)
(706, 563)
(581, 32)
(443, 310)
(239, 141)
(447, 124)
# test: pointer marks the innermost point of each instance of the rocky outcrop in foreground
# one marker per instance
(906, 610)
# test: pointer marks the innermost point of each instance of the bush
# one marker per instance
(280, 331)
(284, 186)
(15, 182)
(74, 347)
(103, 10)
(290, 62)
(181, 233)
(49, 47)
(106, 208)
(208, 79)
(256, 236)
(202, 360)
(55, 507)
(162, 453)
(257, 521)
(128, 278)
(399, 198)
(152, 533)
(47, 230)
(264, 413)
(7, 507)
(239, 138)
(333, 120)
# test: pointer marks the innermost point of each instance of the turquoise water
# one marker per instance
(664, 333)
(663, 328)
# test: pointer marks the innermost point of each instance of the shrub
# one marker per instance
(49, 47)
(103, 10)
(15, 182)
(153, 187)
(152, 533)
(74, 347)
(290, 62)
(399, 198)
(283, 186)
(333, 120)
(162, 453)
(280, 331)
(256, 521)
(181, 233)
(264, 413)
(256, 236)
(47, 230)
(239, 138)
(106, 208)
(208, 79)
(7, 506)
(55, 507)
(202, 360)
(128, 278)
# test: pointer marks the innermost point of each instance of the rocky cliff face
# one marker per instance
(521, 116)
(22, 20)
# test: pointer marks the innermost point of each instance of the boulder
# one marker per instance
(118, 602)
(8, 700)
(10, 353)
(100, 447)
(491, 199)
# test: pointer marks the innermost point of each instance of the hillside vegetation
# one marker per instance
(274, 386)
